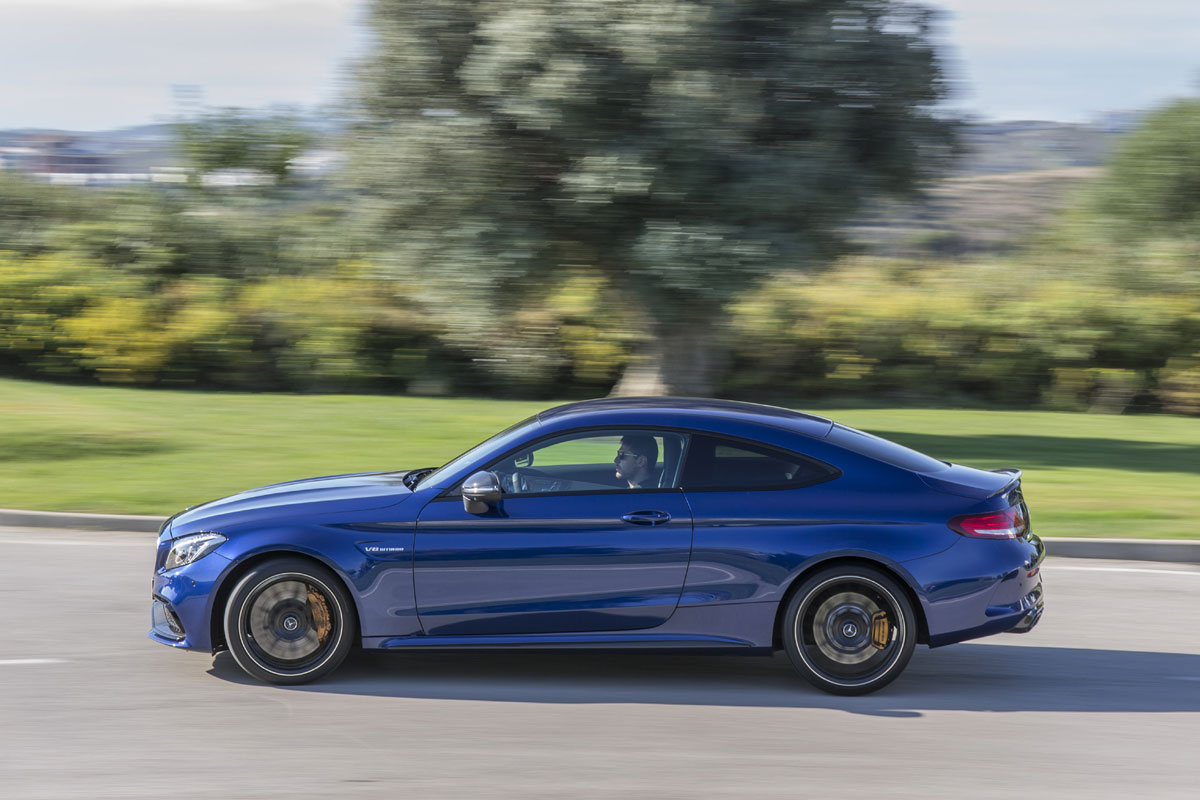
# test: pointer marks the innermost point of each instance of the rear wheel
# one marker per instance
(849, 630)
(289, 621)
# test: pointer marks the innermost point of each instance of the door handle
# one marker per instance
(647, 517)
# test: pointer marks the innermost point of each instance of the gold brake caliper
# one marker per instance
(320, 614)
(881, 631)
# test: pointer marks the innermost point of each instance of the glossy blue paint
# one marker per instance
(976, 574)
(655, 640)
(693, 408)
(744, 628)
(343, 493)
(567, 570)
(189, 592)
(968, 482)
(551, 564)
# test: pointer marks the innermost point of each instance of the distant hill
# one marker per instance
(1011, 178)
(996, 147)
(971, 214)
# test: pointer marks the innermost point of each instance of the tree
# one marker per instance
(30, 211)
(239, 139)
(679, 148)
(1152, 186)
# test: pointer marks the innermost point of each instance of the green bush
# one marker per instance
(1152, 185)
(1068, 332)
(60, 317)
(1179, 385)
(1012, 333)
(38, 294)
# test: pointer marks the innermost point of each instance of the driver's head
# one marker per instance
(636, 458)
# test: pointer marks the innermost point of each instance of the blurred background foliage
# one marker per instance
(556, 200)
(677, 150)
(238, 139)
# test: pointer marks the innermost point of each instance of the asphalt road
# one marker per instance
(1102, 699)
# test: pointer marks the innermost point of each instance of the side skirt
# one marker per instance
(588, 641)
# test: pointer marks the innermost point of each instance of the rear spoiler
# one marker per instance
(1016, 478)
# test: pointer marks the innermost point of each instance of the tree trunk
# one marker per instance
(681, 361)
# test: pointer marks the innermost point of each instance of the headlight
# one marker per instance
(187, 549)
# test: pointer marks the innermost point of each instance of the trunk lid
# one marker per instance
(977, 484)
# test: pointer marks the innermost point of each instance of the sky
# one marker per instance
(100, 64)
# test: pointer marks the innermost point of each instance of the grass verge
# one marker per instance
(73, 448)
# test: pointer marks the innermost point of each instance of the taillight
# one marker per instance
(1006, 524)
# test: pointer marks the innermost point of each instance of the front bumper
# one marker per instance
(181, 605)
(165, 624)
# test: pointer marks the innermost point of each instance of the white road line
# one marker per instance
(18, 662)
(77, 542)
(1185, 678)
(1059, 568)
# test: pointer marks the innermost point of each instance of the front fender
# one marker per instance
(374, 561)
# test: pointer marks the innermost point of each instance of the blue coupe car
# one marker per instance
(654, 523)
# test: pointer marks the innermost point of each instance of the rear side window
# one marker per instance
(715, 463)
(882, 450)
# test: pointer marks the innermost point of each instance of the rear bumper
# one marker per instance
(1032, 617)
(1005, 593)
(1020, 622)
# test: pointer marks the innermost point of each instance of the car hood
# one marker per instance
(356, 492)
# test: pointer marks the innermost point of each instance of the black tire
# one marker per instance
(849, 630)
(289, 621)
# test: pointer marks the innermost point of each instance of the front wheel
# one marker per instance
(289, 621)
(849, 630)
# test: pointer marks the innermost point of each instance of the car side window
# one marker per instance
(594, 461)
(714, 463)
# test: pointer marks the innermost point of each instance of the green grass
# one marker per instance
(72, 448)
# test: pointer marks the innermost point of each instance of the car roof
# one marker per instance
(692, 407)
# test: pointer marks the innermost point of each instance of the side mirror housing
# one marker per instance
(479, 490)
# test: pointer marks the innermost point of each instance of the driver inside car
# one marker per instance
(635, 461)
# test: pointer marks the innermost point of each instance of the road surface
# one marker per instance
(1102, 699)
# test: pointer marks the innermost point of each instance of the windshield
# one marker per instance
(499, 441)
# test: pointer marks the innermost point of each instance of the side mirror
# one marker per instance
(479, 490)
